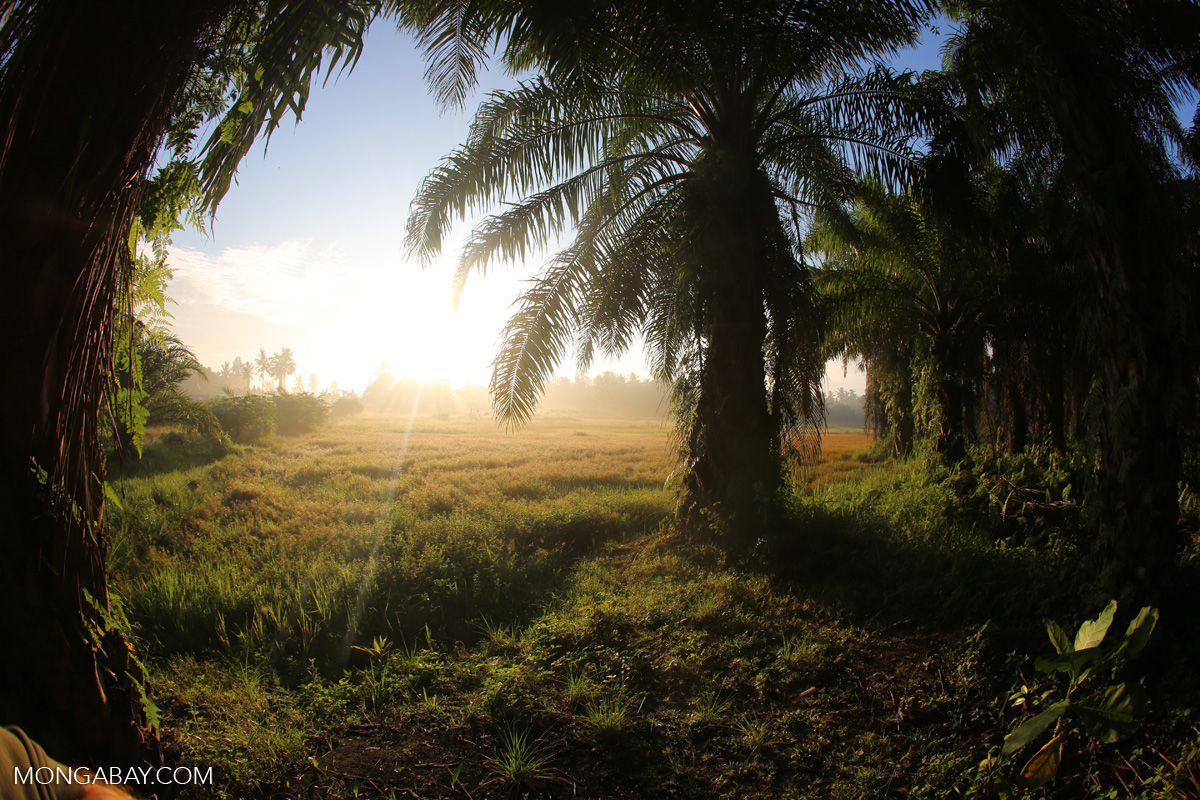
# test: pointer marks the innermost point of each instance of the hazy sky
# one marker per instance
(307, 248)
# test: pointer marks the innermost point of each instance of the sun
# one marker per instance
(406, 320)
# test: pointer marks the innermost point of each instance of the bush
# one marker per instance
(246, 419)
(346, 406)
(299, 413)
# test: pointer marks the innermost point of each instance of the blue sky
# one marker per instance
(306, 250)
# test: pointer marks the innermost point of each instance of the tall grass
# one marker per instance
(513, 609)
(301, 550)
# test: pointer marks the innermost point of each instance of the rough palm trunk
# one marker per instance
(85, 97)
(734, 444)
(950, 442)
(1056, 402)
(1012, 420)
(1140, 457)
(903, 421)
(1135, 253)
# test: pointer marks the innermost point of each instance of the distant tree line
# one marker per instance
(844, 408)
(606, 395)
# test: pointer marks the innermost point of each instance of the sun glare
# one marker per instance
(343, 315)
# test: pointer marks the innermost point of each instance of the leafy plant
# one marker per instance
(1105, 709)
(246, 419)
(346, 406)
(298, 413)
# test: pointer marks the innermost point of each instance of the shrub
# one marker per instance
(346, 406)
(299, 413)
(246, 419)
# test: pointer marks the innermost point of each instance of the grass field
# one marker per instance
(448, 610)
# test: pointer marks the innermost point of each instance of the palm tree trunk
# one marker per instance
(950, 442)
(1056, 399)
(734, 441)
(737, 470)
(85, 97)
(1135, 255)
(903, 421)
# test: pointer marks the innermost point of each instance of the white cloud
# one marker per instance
(286, 283)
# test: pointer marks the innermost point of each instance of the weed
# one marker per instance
(795, 651)
(523, 759)
(579, 687)
(499, 636)
(710, 710)
(757, 734)
(379, 650)
(607, 718)
(432, 702)
(235, 717)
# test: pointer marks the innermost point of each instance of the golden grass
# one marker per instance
(441, 517)
(838, 460)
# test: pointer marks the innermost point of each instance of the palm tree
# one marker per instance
(243, 370)
(1093, 84)
(87, 93)
(685, 145)
(909, 293)
(166, 364)
(263, 366)
(283, 366)
(1036, 369)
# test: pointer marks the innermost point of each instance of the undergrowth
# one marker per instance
(450, 611)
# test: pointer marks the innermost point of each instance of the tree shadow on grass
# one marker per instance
(857, 563)
(173, 453)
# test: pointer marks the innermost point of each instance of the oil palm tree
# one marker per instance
(284, 366)
(1094, 84)
(909, 293)
(685, 146)
(88, 91)
(166, 364)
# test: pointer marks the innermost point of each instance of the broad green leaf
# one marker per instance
(1031, 728)
(1092, 632)
(246, 107)
(1042, 768)
(1113, 716)
(1138, 632)
(1058, 637)
(1068, 662)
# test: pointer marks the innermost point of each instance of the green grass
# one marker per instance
(453, 611)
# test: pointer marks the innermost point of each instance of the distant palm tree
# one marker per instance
(685, 143)
(283, 365)
(262, 366)
(243, 371)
